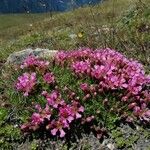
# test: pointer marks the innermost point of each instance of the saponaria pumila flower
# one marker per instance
(49, 78)
(110, 70)
(56, 117)
(26, 83)
(38, 118)
(54, 98)
(113, 71)
(34, 62)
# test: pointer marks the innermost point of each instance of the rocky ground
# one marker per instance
(122, 138)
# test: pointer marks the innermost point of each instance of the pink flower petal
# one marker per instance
(70, 119)
(62, 133)
(55, 105)
(54, 131)
(78, 116)
(81, 109)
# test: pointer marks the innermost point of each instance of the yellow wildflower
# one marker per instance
(80, 34)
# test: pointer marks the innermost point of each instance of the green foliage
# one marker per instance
(146, 134)
(11, 132)
(3, 115)
(135, 26)
(128, 137)
(34, 145)
(99, 27)
(9, 135)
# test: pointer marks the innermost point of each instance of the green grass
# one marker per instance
(13, 20)
(9, 22)
(115, 23)
(54, 32)
(20, 107)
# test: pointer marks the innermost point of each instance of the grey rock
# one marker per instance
(19, 57)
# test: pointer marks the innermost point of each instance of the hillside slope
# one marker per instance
(113, 24)
(115, 102)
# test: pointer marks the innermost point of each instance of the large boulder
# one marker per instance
(19, 57)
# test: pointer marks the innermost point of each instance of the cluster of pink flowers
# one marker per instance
(111, 71)
(81, 67)
(38, 118)
(63, 56)
(26, 83)
(34, 62)
(49, 78)
(56, 116)
(108, 70)
(53, 99)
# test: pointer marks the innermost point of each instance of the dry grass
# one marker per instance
(53, 32)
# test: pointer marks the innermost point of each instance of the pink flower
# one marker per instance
(36, 119)
(65, 113)
(81, 67)
(49, 78)
(129, 119)
(146, 116)
(76, 109)
(87, 96)
(38, 108)
(44, 93)
(46, 112)
(84, 87)
(98, 71)
(58, 127)
(89, 119)
(26, 83)
(60, 57)
(42, 64)
(137, 110)
(132, 105)
(32, 61)
(146, 95)
(54, 99)
(25, 127)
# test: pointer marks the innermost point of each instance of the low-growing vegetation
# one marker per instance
(81, 91)
(88, 92)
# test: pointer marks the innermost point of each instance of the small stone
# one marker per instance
(16, 125)
(72, 36)
(137, 128)
(110, 146)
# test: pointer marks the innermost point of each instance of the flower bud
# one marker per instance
(86, 96)
(89, 119)
(95, 93)
(132, 105)
(98, 111)
(129, 119)
(105, 102)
